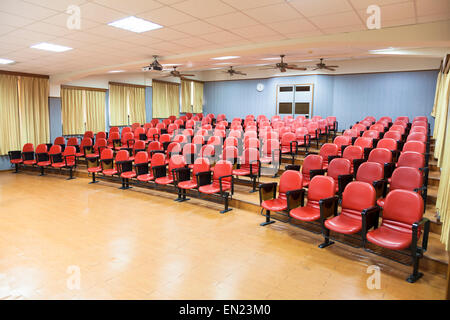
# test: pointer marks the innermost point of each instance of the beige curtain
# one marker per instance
(95, 110)
(186, 96)
(9, 110)
(33, 109)
(441, 117)
(436, 96)
(165, 99)
(72, 111)
(443, 197)
(137, 104)
(198, 97)
(118, 105)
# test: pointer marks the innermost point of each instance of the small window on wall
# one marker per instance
(302, 88)
(302, 108)
(285, 108)
(285, 89)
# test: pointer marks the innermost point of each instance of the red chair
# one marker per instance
(312, 165)
(358, 199)
(124, 167)
(114, 141)
(320, 191)
(154, 147)
(60, 141)
(373, 173)
(303, 137)
(366, 144)
(289, 145)
(189, 152)
(415, 160)
(85, 147)
(342, 142)
(152, 134)
(356, 156)
(384, 157)
(401, 227)
(66, 159)
(141, 167)
(104, 163)
(332, 124)
(231, 154)
(138, 146)
(328, 151)
(73, 141)
(390, 144)
(140, 134)
(340, 170)
(289, 195)
(160, 171)
(250, 166)
(16, 157)
(183, 180)
(99, 145)
(42, 157)
(406, 178)
(173, 148)
(314, 132)
(219, 182)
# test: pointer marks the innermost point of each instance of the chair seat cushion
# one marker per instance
(164, 180)
(79, 154)
(29, 162)
(128, 174)
(305, 213)
(43, 163)
(275, 204)
(285, 149)
(14, 161)
(59, 165)
(389, 238)
(209, 189)
(266, 160)
(344, 224)
(94, 169)
(187, 184)
(241, 172)
(109, 172)
(305, 182)
(92, 155)
(145, 177)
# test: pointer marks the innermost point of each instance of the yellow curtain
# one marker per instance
(441, 117)
(198, 97)
(443, 197)
(186, 96)
(165, 99)
(72, 111)
(33, 108)
(118, 105)
(436, 96)
(95, 110)
(137, 104)
(9, 110)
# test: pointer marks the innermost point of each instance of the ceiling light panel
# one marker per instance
(50, 47)
(134, 24)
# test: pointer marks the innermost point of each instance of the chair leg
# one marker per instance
(42, 171)
(327, 242)
(416, 275)
(253, 184)
(70, 174)
(226, 209)
(179, 195)
(93, 178)
(16, 165)
(268, 221)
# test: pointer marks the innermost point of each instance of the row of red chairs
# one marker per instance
(401, 225)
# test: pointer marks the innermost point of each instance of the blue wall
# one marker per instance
(349, 97)
(55, 117)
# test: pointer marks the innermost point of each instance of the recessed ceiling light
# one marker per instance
(135, 24)
(116, 71)
(223, 63)
(225, 58)
(274, 58)
(6, 61)
(50, 47)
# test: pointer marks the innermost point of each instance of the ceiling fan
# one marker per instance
(232, 71)
(178, 74)
(322, 65)
(155, 65)
(283, 66)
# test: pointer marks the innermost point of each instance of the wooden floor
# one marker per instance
(140, 244)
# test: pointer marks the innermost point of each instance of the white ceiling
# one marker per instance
(193, 31)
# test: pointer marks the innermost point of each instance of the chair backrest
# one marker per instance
(380, 155)
(328, 149)
(251, 143)
(55, 149)
(356, 197)
(207, 151)
(73, 141)
(86, 142)
(158, 159)
(397, 127)
(107, 154)
(377, 127)
(139, 145)
(250, 156)
(353, 152)
(401, 209)
(396, 135)
(88, 134)
(164, 138)
(60, 141)
(223, 168)
(406, 178)
(28, 147)
(230, 141)
(269, 146)
(420, 118)
(351, 133)
(198, 140)
(370, 172)
(230, 153)
(287, 138)
(371, 134)
(411, 159)
(154, 145)
(320, 187)
(176, 161)
(100, 135)
(342, 141)
(300, 132)
(387, 143)
(386, 118)
(173, 147)
(339, 166)
(364, 142)
(416, 146)
(419, 123)
(403, 118)
(419, 129)
(289, 180)
(417, 136)
(126, 137)
(200, 165)
(359, 127)
(122, 155)
(311, 162)
(141, 157)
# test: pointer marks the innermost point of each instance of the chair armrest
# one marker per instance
(182, 174)
(294, 167)
(267, 191)
(328, 207)
(316, 172)
(330, 158)
(203, 178)
(220, 182)
(343, 181)
(388, 169)
(356, 164)
(379, 186)
(369, 219)
(426, 231)
(295, 198)
(296, 146)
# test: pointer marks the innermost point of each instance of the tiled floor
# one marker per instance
(140, 244)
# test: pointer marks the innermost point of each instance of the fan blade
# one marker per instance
(328, 68)
(241, 73)
(289, 66)
(297, 68)
(187, 75)
(333, 66)
(283, 69)
(269, 68)
(316, 68)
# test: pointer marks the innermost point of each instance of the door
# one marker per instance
(295, 100)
